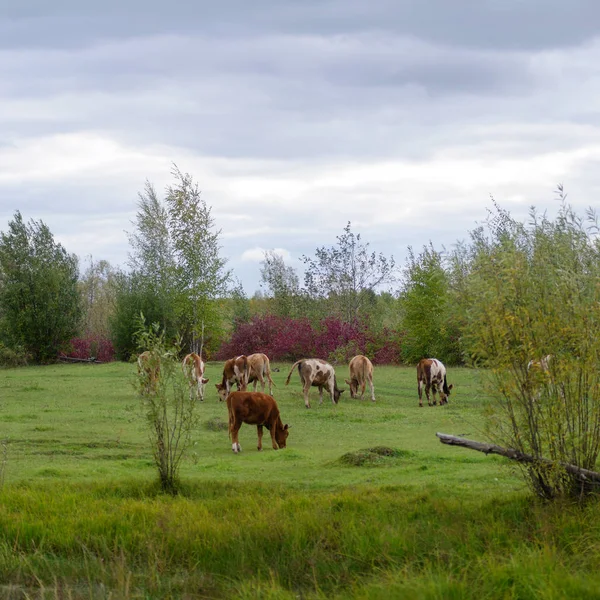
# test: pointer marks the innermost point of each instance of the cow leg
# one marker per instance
(420, 389)
(331, 393)
(306, 389)
(427, 388)
(372, 389)
(275, 446)
(234, 429)
(260, 434)
(321, 395)
(363, 385)
(434, 394)
(256, 384)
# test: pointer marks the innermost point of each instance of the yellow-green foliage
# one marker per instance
(535, 292)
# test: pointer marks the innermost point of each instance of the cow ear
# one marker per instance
(342, 391)
(205, 380)
(218, 386)
(286, 426)
(450, 387)
(347, 382)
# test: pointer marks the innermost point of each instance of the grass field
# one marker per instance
(80, 515)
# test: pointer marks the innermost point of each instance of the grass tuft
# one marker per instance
(377, 455)
(216, 424)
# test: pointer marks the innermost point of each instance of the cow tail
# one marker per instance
(268, 369)
(292, 370)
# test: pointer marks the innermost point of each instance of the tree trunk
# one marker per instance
(582, 474)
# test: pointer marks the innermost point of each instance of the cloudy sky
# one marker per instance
(296, 116)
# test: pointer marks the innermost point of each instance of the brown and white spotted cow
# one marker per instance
(431, 375)
(316, 372)
(259, 368)
(193, 368)
(361, 371)
(255, 408)
(149, 371)
(235, 371)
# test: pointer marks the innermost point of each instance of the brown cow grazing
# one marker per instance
(255, 408)
(193, 369)
(235, 371)
(314, 371)
(259, 367)
(361, 371)
(431, 374)
(149, 371)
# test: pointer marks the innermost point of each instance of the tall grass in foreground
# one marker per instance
(254, 541)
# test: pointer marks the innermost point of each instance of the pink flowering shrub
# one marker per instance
(97, 347)
(285, 339)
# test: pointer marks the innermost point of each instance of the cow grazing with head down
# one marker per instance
(235, 371)
(255, 408)
(259, 368)
(316, 372)
(361, 371)
(149, 371)
(193, 369)
(431, 375)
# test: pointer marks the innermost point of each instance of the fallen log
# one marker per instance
(582, 474)
(86, 360)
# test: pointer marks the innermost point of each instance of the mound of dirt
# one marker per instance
(378, 455)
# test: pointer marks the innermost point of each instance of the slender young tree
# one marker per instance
(426, 309)
(200, 271)
(344, 272)
(98, 288)
(177, 271)
(282, 284)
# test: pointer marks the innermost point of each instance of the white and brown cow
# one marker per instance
(235, 371)
(361, 371)
(316, 372)
(193, 369)
(431, 375)
(259, 369)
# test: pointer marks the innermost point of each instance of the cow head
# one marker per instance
(353, 384)
(281, 435)
(222, 391)
(336, 391)
(445, 392)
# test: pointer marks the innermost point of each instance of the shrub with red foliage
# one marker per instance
(97, 347)
(281, 338)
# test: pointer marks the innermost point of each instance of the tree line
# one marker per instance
(177, 277)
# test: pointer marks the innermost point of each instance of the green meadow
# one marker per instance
(365, 502)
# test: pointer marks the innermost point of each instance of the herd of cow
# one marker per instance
(260, 409)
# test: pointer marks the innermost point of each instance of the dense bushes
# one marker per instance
(287, 339)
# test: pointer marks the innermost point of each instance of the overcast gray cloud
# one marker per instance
(295, 117)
